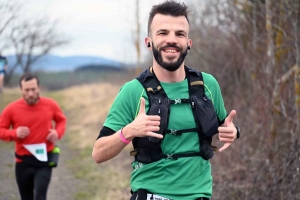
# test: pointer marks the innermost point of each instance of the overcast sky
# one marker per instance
(96, 27)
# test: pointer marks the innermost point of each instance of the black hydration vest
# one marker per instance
(148, 149)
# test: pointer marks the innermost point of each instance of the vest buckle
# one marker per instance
(177, 101)
(171, 156)
(173, 132)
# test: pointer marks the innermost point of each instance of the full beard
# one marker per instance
(32, 100)
(170, 66)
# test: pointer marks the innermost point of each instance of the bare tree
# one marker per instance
(270, 41)
(252, 48)
(8, 12)
(137, 37)
(30, 39)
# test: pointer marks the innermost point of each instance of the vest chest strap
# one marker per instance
(181, 155)
(180, 101)
(179, 132)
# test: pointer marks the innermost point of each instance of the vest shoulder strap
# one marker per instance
(196, 83)
(149, 81)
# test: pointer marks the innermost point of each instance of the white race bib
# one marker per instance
(155, 197)
(38, 150)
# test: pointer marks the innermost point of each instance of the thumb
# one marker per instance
(230, 117)
(142, 106)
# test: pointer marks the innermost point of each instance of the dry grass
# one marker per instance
(86, 107)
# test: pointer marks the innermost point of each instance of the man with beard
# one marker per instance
(170, 114)
(29, 123)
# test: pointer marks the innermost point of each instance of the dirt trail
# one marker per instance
(63, 184)
(8, 186)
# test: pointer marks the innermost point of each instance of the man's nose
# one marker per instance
(171, 38)
(30, 92)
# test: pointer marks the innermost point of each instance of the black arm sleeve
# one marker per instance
(105, 131)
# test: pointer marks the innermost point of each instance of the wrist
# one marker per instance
(15, 135)
(123, 139)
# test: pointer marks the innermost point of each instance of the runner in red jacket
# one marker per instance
(29, 123)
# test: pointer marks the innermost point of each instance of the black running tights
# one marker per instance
(32, 181)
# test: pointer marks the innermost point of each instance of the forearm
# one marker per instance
(7, 135)
(60, 129)
(60, 123)
(107, 147)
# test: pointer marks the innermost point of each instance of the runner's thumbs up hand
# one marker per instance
(143, 125)
(227, 132)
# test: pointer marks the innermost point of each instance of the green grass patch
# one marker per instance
(9, 165)
(97, 182)
(82, 195)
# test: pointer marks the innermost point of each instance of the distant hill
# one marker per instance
(54, 63)
(99, 68)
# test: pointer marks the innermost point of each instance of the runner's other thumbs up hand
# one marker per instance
(227, 132)
(144, 125)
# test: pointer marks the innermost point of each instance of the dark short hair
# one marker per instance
(28, 77)
(171, 8)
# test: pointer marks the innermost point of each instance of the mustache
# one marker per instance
(172, 46)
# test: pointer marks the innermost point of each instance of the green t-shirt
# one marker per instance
(185, 178)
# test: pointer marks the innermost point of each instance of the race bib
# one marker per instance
(38, 150)
(155, 197)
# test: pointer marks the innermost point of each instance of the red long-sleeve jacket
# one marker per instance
(38, 118)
